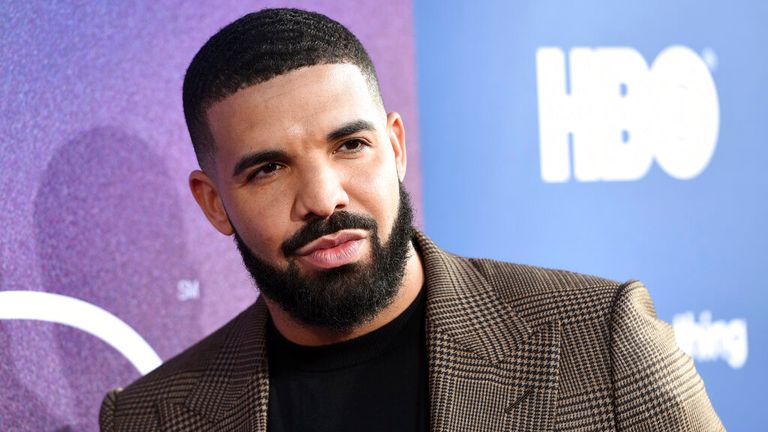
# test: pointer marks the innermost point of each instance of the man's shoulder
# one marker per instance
(175, 379)
(539, 293)
(612, 347)
(190, 362)
(522, 279)
(536, 294)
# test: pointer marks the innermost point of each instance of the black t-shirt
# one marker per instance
(377, 382)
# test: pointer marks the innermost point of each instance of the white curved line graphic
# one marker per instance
(73, 312)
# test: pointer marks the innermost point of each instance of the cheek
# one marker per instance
(377, 192)
(263, 223)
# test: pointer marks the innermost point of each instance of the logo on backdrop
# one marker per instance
(708, 340)
(73, 312)
(612, 114)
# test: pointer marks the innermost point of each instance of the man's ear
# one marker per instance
(396, 134)
(207, 197)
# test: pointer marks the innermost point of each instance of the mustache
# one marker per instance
(317, 228)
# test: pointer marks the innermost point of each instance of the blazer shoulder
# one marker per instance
(519, 280)
(107, 411)
(171, 381)
(656, 385)
(540, 294)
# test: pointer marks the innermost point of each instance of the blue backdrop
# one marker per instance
(624, 139)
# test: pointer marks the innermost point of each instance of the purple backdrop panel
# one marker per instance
(107, 265)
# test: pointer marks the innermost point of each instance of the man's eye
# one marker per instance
(265, 170)
(352, 146)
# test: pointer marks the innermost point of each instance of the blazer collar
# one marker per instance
(488, 368)
(461, 302)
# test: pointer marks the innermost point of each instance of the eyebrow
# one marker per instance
(350, 128)
(252, 159)
(257, 158)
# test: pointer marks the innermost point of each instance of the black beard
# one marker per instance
(345, 297)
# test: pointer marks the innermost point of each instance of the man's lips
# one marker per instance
(333, 250)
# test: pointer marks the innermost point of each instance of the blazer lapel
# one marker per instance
(488, 369)
(232, 395)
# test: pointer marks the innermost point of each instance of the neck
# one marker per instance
(302, 334)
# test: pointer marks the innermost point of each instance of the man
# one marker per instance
(363, 323)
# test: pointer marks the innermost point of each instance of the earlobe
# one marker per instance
(396, 132)
(209, 200)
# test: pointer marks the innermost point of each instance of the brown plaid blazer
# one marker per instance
(511, 348)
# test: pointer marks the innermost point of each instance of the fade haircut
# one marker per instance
(256, 48)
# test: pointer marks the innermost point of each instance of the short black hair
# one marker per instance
(256, 48)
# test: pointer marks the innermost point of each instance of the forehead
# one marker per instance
(301, 104)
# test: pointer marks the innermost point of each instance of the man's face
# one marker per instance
(294, 153)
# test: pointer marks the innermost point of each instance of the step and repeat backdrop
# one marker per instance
(613, 138)
(107, 266)
(624, 139)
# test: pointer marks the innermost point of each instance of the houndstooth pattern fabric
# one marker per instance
(511, 348)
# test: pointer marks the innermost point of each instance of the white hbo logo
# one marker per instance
(616, 114)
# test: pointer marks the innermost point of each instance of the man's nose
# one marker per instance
(319, 194)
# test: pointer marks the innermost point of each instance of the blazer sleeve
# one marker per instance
(107, 411)
(656, 386)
